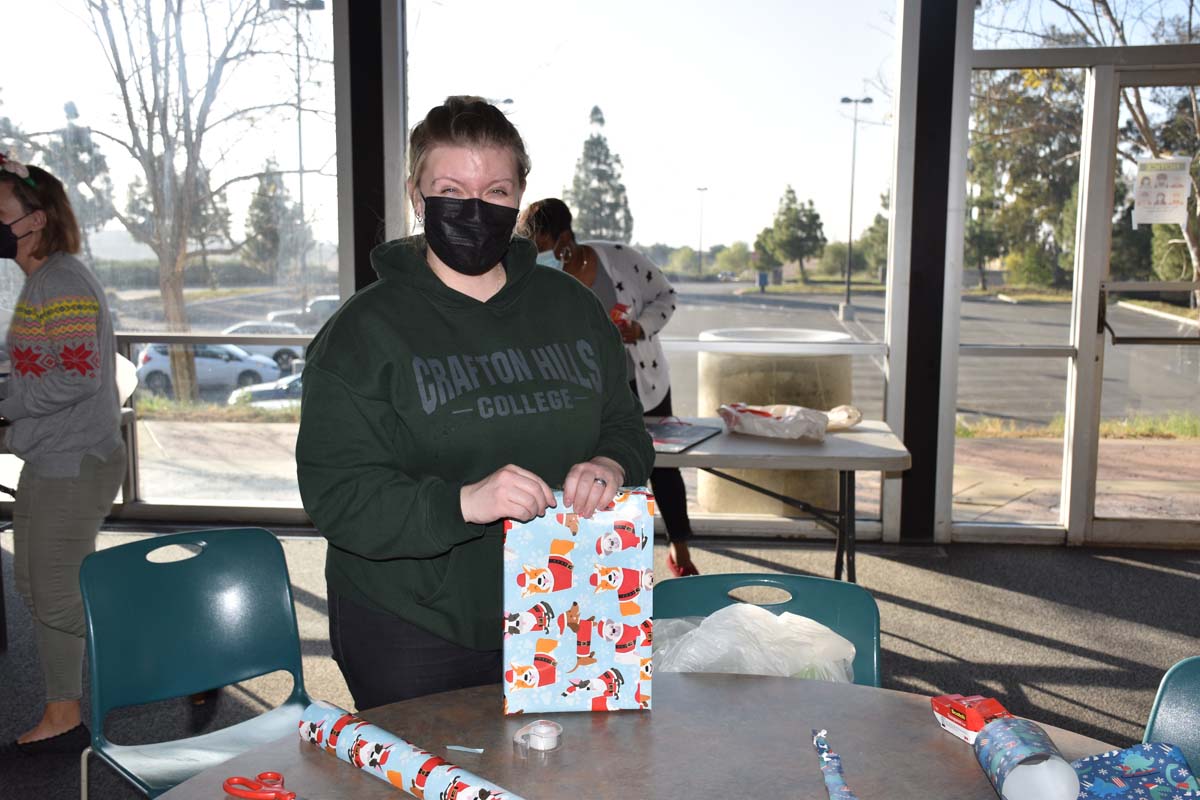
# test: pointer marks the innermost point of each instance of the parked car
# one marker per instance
(281, 394)
(281, 354)
(217, 366)
(312, 316)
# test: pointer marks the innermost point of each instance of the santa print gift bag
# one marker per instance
(577, 608)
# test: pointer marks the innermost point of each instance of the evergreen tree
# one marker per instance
(597, 195)
(274, 231)
(764, 250)
(73, 155)
(210, 221)
(798, 232)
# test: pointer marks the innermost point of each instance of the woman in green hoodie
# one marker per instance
(446, 397)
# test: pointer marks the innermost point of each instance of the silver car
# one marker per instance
(217, 366)
(281, 354)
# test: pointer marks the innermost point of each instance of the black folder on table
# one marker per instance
(675, 436)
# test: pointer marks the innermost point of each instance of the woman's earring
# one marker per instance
(567, 254)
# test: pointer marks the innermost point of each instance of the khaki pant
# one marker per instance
(55, 522)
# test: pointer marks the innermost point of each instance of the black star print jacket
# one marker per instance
(642, 286)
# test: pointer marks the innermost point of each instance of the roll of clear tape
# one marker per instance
(541, 736)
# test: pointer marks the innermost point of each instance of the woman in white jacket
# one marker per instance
(640, 301)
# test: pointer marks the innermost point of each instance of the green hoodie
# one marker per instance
(413, 389)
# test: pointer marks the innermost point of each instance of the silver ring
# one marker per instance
(602, 482)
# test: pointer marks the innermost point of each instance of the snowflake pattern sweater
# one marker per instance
(62, 394)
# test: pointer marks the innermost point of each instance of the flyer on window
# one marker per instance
(1161, 191)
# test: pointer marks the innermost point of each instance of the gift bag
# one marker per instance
(578, 608)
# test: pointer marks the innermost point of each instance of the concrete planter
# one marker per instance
(806, 376)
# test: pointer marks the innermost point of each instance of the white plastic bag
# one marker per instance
(747, 639)
(787, 422)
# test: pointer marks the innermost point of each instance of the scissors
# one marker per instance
(267, 786)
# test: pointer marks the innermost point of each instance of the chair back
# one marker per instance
(162, 630)
(846, 608)
(1175, 715)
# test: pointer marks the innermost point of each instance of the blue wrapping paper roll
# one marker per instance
(1022, 763)
(389, 758)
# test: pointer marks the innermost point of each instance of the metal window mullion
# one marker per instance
(956, 215)
(1015, 351)
(1092, 245)
(343, 155)
(395, 118)
(899, 266)
(1132, 59)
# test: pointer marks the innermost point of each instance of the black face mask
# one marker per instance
(469, 236)
(9, 239)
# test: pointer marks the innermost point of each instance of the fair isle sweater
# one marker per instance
(61, 397)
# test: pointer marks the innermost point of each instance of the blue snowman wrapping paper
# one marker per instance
(1141, 772)
(578, 608)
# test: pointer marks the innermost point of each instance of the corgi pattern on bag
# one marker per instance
(583, 588)
(389, 758)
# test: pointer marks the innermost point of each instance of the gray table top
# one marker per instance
(870, 445)
(708, 736)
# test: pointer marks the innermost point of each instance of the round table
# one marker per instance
(708, 736)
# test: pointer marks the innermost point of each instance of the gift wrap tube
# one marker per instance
(1022, 763)
(390, 758)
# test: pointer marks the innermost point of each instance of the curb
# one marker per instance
(1153, 312)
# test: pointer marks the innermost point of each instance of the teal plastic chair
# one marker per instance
(846, 608)
(1175, 715)
(162, 630)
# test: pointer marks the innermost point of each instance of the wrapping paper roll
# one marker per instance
(1022, 763)
(390, 758)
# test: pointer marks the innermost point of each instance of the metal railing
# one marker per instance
(135, 507)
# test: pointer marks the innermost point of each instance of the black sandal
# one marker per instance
(70, 742)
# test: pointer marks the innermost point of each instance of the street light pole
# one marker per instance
(846, 311)
(298, 6)
(700, 251)
(300, 163)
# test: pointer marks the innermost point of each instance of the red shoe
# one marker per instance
(678, 571)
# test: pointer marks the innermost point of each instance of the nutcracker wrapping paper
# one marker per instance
(578, 608)
(389, 758)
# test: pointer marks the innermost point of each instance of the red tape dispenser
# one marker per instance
(965, 717)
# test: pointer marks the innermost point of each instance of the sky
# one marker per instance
(742, 100)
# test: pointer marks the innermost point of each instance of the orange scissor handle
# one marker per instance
(267, 786)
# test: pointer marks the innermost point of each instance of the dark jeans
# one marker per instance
(385, 659)
(667, 485)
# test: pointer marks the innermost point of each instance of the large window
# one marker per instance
(718, 143)
(197, 144)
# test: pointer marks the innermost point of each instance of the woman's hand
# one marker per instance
(592, 485)
(508, 493)
(631, 331)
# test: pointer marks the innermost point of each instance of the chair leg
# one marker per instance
(83, 773)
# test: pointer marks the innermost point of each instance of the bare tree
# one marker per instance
(169, 113)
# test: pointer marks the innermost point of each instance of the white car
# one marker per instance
(217, 366)
(283, 394)
(312, 316)
(281, 354)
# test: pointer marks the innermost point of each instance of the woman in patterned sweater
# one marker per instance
(61, 416)
(641, 301)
